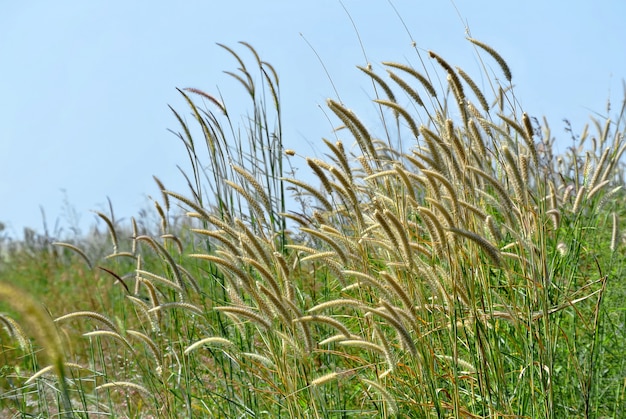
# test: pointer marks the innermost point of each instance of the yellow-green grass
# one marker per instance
(470, 272)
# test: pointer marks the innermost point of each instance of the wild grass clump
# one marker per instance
(471, 272)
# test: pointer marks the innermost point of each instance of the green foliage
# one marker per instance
(451, 268)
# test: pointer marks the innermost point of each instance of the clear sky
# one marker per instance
(84, 85)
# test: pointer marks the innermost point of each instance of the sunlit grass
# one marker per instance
(471, 272)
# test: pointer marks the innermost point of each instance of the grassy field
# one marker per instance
(446, 263)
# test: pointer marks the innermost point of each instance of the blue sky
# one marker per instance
(84, 85)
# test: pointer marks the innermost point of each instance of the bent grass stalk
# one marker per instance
(447, 270)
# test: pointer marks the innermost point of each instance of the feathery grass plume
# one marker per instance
(492, 251)
(365, 165)
(494, 231)
(597, 188)
(341, 158)
(500, 100)
(530, 142)
(144, 308)
(556, 217)
(375, 77)
(260, 251)
(339, 302)
(567, 192)
(401, 233)
(147, 277)
(248, 313)
(327, 378)
(162, 216)
(114, 335)
(598, 169)
(443, 211)
(420, 161)
(435, 230)
(248, 83)
(391, 363)
(503, 65)
(127, 385)
(150, 344)
(516, 127)
(286, 274)
(175, 239)
(524, 172)
(468, 368)
(91, 315)
(49, 368)
(346, 183)
(260, 191)
(75, 249)
(459, 96)
(579, 199)
(211, 99)
(364, 279)
(423, 80)
(15, 331)
(111, 228)
(400, 110)
(362, 344)
(514, 175)
(342, 237)
(397, 312)
(432, 174)
(265, 361)
(585, 171)
(221, 236)
(325, 256)
(615, 160)
(253, 204)
(459, 148)
(608, 197)
(133, 244)
(402, 174)
(398, 290)
(201, 211)
(614, 232)
(279, 305)
(265, 274)
(315, 165)
(228, 265)
(390, 401)
(327, 320)
(166, 199)
(168, 259)
(329, 241)
(334, 339)
(382, 222)
(433, 142)
(479, 213)
(455, 82)
(381, 174)
(504, 200)
(313, 191)
(475, 89)
(300, 248)
(403, 334)
(177, 304)
(405, 86)
(356, 127)
(212, 341)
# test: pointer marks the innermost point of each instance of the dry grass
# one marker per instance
(464, 276)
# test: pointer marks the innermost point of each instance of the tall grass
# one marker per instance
(453, 266)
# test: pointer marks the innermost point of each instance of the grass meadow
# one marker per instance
(454, 266)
